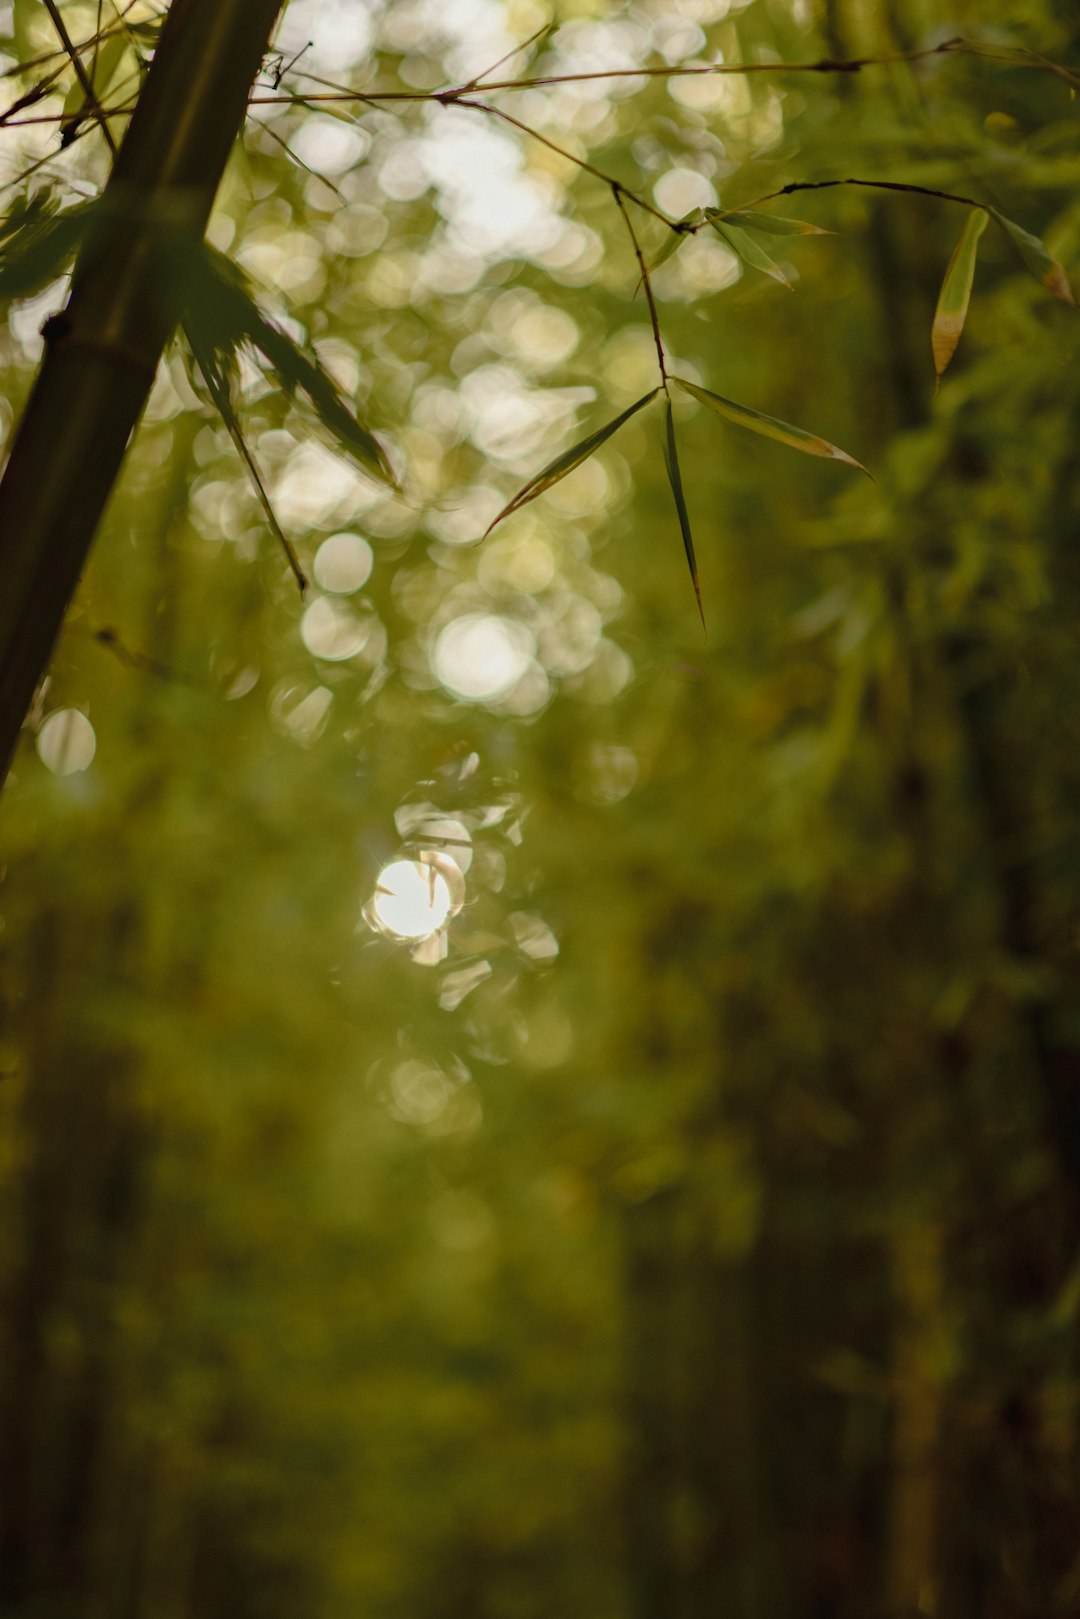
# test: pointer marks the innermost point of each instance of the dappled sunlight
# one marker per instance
(343, 563)
(414, 899)
(66, 742)
(331, 630)
(480, 657)
(513, 1106)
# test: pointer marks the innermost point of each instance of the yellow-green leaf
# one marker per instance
(565, 463)
(743, 245)
(955, 294)
(675, 238)
(773, 224)
(671, 461)
(1034, 254)
(100, 72)
(796, 438)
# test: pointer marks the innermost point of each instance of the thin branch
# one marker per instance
(124, 111)
(81, 74)
(110, 638)
(617, 193)
(456, 100)
(872, 185)
(690, 70)
(957, 46)
(477, 83)
(268, 129)
(87, 44)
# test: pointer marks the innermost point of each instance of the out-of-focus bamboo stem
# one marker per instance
(103, 351)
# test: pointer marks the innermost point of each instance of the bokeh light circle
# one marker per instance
(481, 656)
(411, 900)
(66, 742)
(330, 631)
(343, 563)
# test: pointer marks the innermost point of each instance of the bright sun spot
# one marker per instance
(480, 656)
(411, 900)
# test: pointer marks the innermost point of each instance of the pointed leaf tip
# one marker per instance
(671, 462)
(567, 462)
(747, 248)
(955, 294)
(796, 438)
(1038, 260)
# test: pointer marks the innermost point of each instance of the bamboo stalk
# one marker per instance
(102, 352)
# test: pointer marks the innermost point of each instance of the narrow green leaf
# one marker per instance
(564, 464)
(796, 438)
(745, 247)
(37, 243)
(220, 313)
(1035, 256)
(218, 385)
(675, 238)
(773, 224)
(671, 461)
(955, 295)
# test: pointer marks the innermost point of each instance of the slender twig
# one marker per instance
(92, 102)
(587, 168)
(478, 84)
(957, 46)
(617, 193)
(87, 44)
(55, 118)
(688, 70)
(110, 638)
(97, 39)
(268, 129)
(704, 69)
(873, 185)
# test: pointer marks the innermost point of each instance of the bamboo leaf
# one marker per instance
(675, 238)
(100, 73)
(220, 392)
(1035, 256)
(955, 295)
(773, 224)
(220, 313)
(671, 462)
(37, 242)
(744, 246)
(565, 463)
(796, 438)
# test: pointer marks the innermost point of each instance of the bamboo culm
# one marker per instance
(102, 351)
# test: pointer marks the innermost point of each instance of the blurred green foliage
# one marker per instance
(691, 1225)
